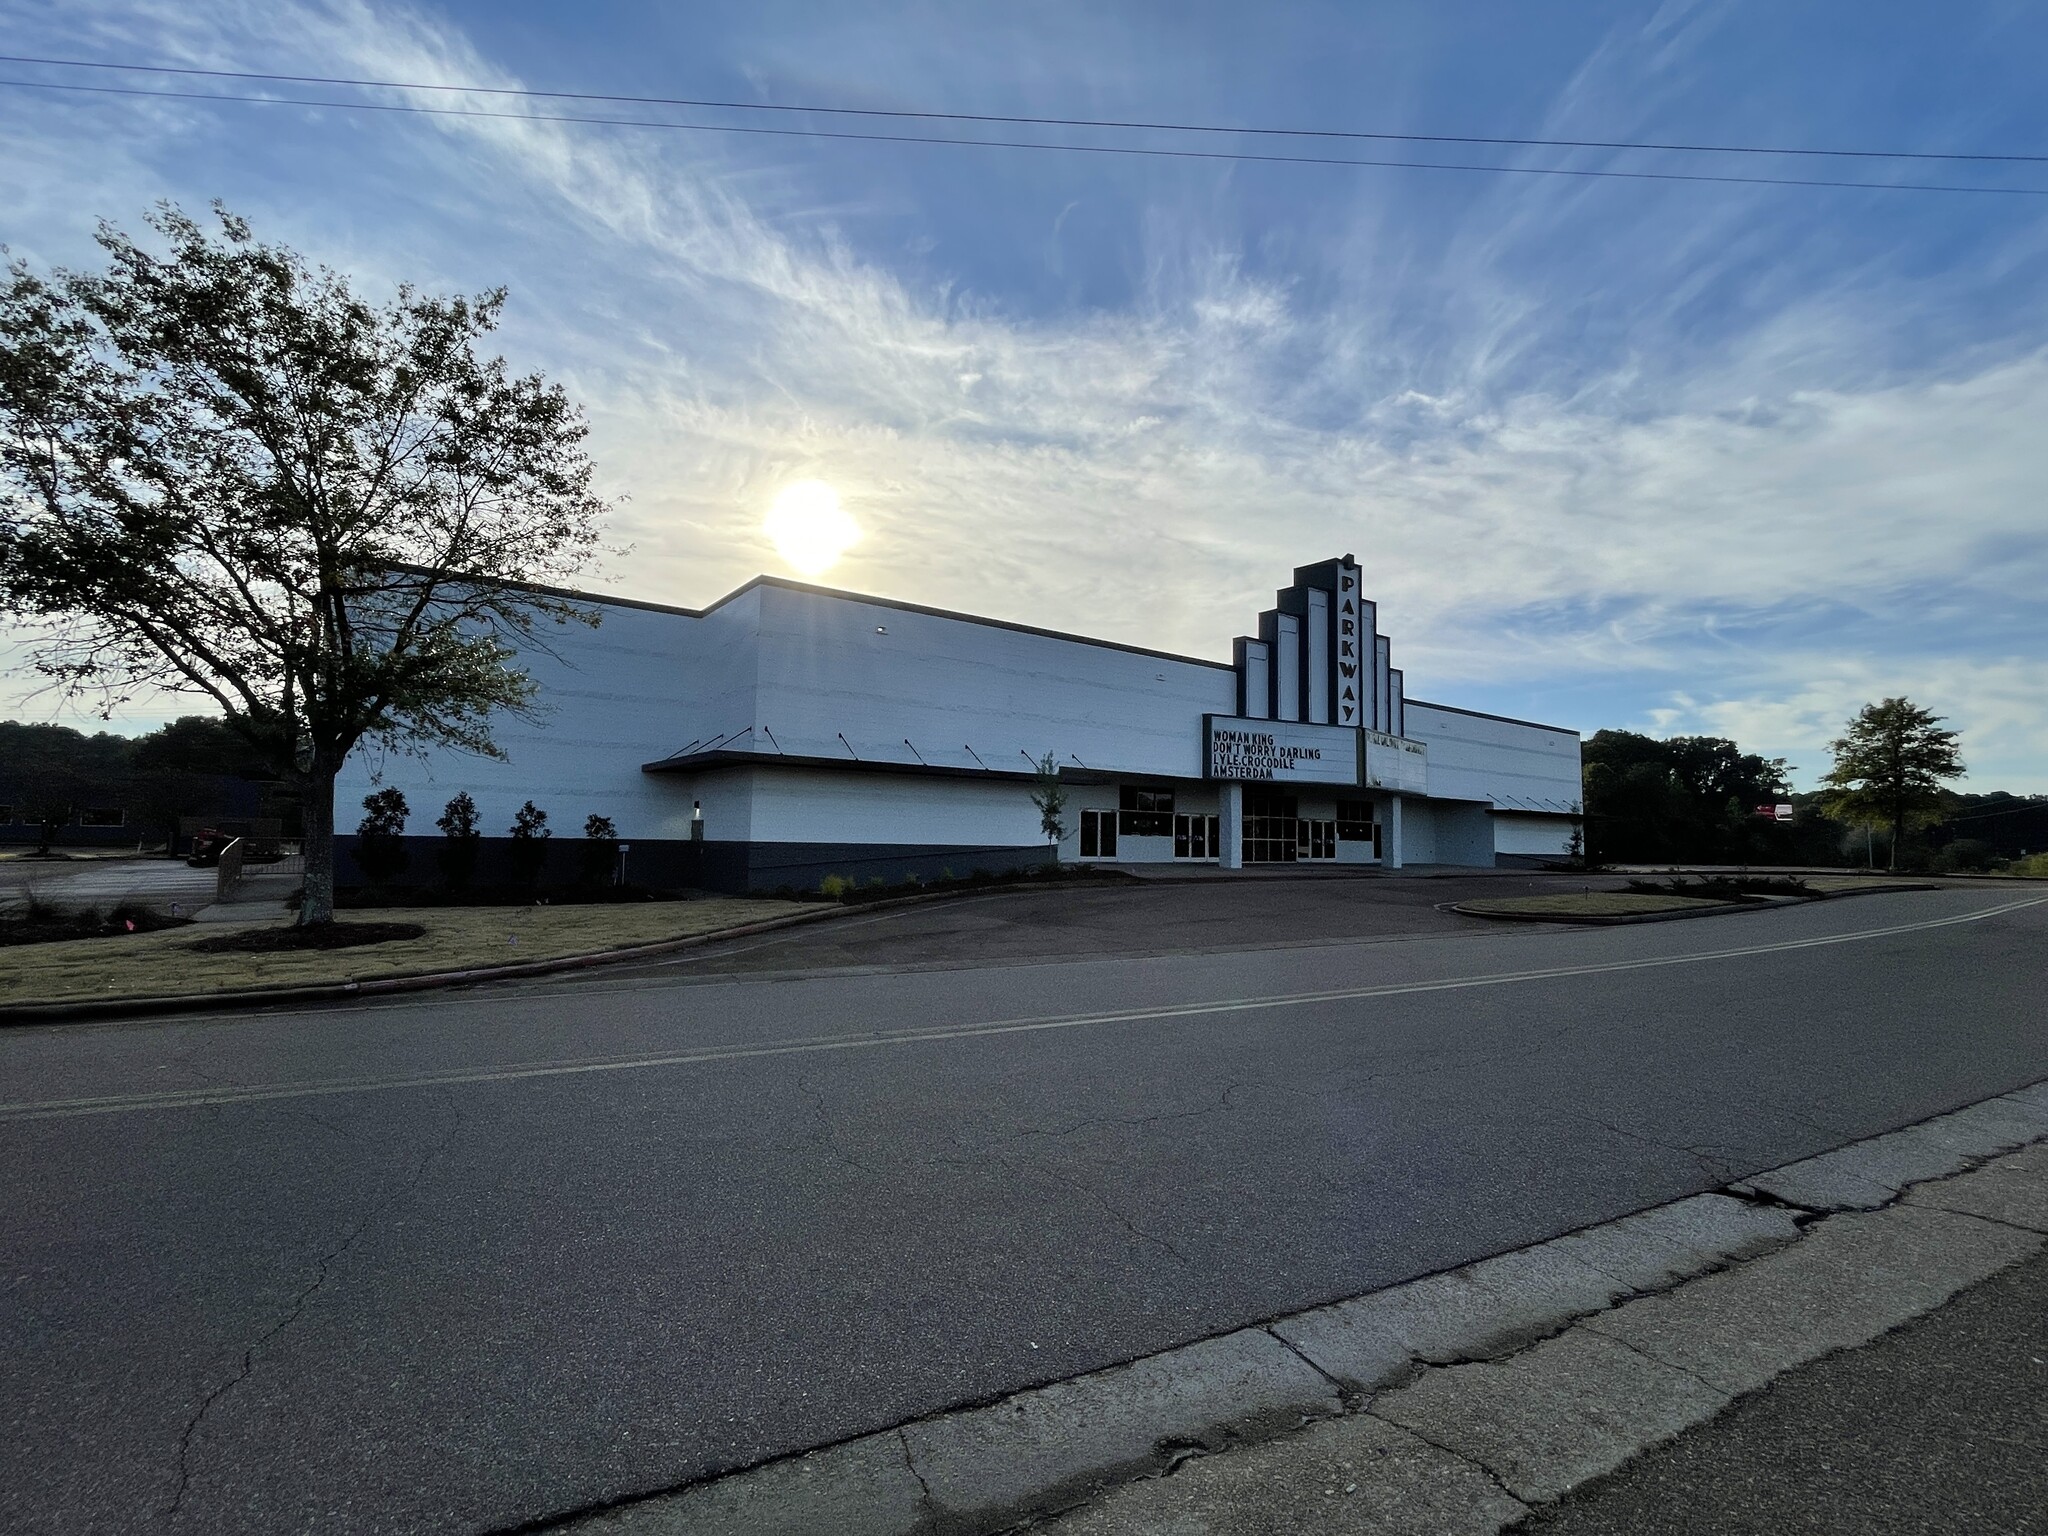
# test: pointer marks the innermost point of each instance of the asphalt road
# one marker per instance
(475, 1259)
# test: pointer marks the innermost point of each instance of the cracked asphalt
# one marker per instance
(470, 1261)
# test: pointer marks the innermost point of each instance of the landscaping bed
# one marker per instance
(42, 924)
(1589, 904)
(265, 941)
(164, 964)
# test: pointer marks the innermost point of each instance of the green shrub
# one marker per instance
(380, 836)
(600, 850)
(835, 886)
(460, 840)
(529, 850)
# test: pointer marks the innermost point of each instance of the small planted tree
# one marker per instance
(1889, 768)
(460, 840)
(600, 850)
(530, 836)
(380, 836)
(1050, 796)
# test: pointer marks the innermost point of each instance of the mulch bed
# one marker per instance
(321, 936)
(52, 930)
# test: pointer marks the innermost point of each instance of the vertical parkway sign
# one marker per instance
(1351, 676)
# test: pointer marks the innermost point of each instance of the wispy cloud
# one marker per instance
(1557, 456)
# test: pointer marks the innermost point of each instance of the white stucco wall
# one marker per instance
(902, 685)
(1546, 836)
(636, 688)
(820, 806)
(1507, 763)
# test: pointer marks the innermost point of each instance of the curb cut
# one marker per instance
(1462, 1399)
(313, 992)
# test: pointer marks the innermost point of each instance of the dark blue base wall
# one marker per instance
(709, 866)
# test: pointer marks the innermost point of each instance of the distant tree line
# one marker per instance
(51, 776)
(1884, 800)
(1684, 799)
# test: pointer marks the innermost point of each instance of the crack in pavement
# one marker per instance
(1471, 1461)
(322, 1267)
(1079, 1186)
(828, 1131)
(910, 1465)
(1592, 1325)
(1720, 1170)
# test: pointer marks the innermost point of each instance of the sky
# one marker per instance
(1667, 456)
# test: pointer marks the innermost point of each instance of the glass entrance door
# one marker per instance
(1270, 833)
(1194, 837)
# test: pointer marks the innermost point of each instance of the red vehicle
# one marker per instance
(206, 847)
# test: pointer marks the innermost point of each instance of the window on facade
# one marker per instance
(101, 816)
(1098, 834)
(1354, 821)
(1269, 827)
(6, 815)
(1144, 812)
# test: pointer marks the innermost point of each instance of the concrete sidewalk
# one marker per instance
(1733, 1329)
(1939, 1428)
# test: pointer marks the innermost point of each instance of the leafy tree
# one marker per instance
(1690, 797)
(1682, 799)
(380, 836)
(1889, 767)
(1050, 796)
(600, 850)
(460, 840)
(222, 472)
(530, 836)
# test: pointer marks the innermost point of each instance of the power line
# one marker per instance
(1028, 144)
(1041, 122)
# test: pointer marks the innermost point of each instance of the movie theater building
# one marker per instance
(789, 732)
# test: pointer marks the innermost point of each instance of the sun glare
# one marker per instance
(810, 528)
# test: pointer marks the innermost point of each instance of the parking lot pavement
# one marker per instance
(156, 882)
(1140, 918)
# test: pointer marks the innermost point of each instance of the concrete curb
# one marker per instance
(1722, 909)
(1452, 1403)
(250, 997)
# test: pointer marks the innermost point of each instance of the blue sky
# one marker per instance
(1668, 456)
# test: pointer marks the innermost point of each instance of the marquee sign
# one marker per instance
(1280, 751)
(1396, 763)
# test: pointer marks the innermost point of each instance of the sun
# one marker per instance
(810, 528)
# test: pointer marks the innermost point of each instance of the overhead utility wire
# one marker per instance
(1079, 149)
(1042, 122)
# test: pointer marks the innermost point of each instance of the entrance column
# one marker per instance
(1230, 826)
(1393, 849)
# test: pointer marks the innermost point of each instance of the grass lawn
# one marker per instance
(457, 938)
(1587, 904)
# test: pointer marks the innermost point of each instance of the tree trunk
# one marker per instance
(316, 904)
